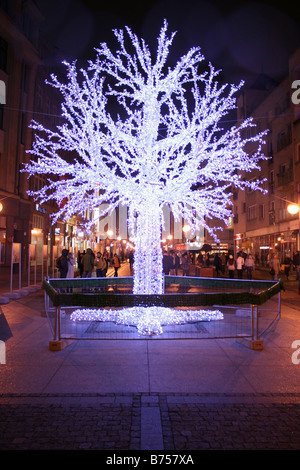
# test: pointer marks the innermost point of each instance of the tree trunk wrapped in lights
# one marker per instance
(148, 276)
(164, 146)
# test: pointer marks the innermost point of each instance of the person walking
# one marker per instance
(223, 263)
(249, 263)
(62, 263)
(185, 265)
(130, 259)
(88, 263)
(274, 267)
(217, 264)
(116, 264)
(167, 263)
(176, 262)
(70, 273)
(100, 265)
(71, 262)
(287, 267)
(239, 266)
(80, 263)
(231, 267)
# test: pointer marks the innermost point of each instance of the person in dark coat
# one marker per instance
(217, 264)
(80, 263)
(167, 263)
(185, 264)
(62, 263)
(88, 263)
(176, 262)
(287, 266)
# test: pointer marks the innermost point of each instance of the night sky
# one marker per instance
(242, 38)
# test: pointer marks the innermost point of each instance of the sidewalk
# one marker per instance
(147, 394)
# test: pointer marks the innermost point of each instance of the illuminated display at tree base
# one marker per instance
(148, 320)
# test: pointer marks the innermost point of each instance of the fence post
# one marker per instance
(57, 344)
(256, 342)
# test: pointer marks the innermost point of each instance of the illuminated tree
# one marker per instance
(145, 135)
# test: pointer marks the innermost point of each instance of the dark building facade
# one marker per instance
(24, 60)
(263, 225)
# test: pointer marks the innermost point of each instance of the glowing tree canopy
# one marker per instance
(144, 134)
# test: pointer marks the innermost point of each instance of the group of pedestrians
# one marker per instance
(276, 266)
(221, 262)
(172, 262)
(87, 262)
(240, 264)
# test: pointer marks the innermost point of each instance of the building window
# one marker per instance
(252, 212)
(261, 211)
(272, 213)
(284, 138)
(270, 153)
(282, 168)
(36, 182)
(285, 175)
(271, 182)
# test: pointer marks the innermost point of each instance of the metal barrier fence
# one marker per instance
(249, 308)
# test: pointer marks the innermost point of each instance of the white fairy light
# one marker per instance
(148, 320)
(165, 142)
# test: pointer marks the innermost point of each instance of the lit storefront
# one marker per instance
(284, 244)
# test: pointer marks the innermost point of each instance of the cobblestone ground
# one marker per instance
(66, 427)
(235, 427)
(117, 425)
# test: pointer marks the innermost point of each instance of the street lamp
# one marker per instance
(293, 209)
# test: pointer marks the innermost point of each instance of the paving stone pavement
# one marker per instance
(185, 422)
(163, 397)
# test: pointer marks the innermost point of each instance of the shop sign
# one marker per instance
(238, 236)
